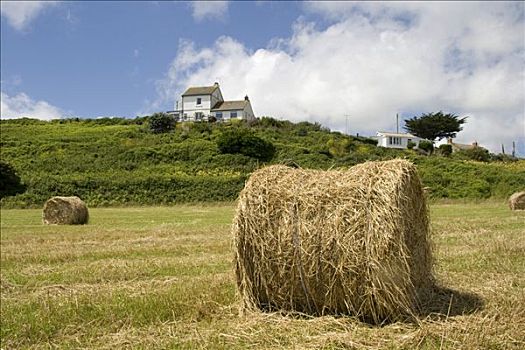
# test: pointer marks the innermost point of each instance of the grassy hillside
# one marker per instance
(119, 162)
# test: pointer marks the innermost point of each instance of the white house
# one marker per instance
(461, 146)
(206, 102)
(396, 140)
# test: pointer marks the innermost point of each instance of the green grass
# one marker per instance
(161, 277)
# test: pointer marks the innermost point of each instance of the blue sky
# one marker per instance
(103, 58)
(317, 61)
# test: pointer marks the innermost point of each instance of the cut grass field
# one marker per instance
(161, 277)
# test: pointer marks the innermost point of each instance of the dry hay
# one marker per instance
(353, 242)
(517, 201)
(65, 211)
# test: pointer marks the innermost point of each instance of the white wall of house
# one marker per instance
(396, 141)
(227, 115)
(216, 97)
(248, 112)
(190, 106)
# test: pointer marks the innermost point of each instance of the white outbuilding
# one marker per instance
(396, 140)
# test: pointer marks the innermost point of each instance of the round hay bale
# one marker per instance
(517, 201)
(353, 242)
(65, 211)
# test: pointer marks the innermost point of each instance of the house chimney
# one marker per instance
(475, 143)
(216, 84)
(246, 98)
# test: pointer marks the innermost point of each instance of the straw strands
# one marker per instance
(65, 211)
(352, 242)
(517, 201)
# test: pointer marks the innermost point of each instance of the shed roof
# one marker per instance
(462, 146)
(230, 105)
(396, 134)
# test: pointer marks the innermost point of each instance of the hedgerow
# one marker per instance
(115, 161)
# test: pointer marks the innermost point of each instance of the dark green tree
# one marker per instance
(10, 183)
(241, 141)
(432, 126)
(161, 123)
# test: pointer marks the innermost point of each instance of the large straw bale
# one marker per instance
(352, 242)
(517, 201)
(65, 211)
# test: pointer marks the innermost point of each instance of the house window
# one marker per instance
(199, 100)
(218, 115)
(198, 115)
(394, 140)
(233, 115)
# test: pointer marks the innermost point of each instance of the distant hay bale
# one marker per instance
(352, 242)
(517, 201)
(65, 211)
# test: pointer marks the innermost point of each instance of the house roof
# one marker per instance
(230, 105)
(462, 146)
(396, 134)
(200, 90)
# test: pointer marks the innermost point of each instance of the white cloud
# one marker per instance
(374, 60)
(21, 105)
(20, 13)
(209, 10)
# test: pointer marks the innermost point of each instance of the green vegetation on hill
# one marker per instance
(121, 162)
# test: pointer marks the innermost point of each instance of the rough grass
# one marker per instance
(162, 278)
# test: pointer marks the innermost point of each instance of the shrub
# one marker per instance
(367, 140)
(339, 148)
(426, 146)
(503, 158)
(161, 122)
(270, 122)
(479, 154)
(244, 142)
(445, 150)
(411, 144)
(307, 126)
(301, 132)
(10, 183)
